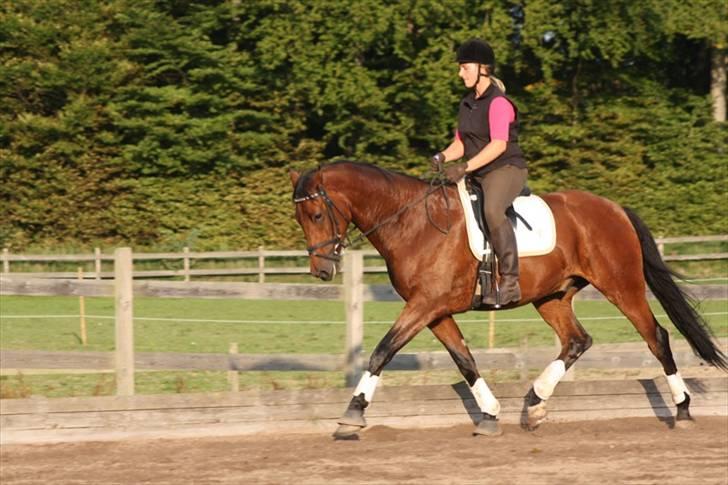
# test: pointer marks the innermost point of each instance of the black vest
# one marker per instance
(474, 130)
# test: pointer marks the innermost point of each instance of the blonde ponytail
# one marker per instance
(493, 79)
(498, 83)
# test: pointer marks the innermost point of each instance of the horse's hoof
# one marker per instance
(347, 432)
(488, 427)
(352, 419)
(688, 423)
(536, 415)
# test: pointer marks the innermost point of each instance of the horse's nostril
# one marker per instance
(324, 275)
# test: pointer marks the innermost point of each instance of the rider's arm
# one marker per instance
(500, 115)
(492, 150)
(455, 151)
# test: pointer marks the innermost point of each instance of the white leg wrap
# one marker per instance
(677, 387)
(545, 384)
(367, 385)
(485, 398)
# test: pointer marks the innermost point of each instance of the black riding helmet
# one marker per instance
(476, 50)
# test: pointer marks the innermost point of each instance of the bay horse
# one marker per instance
(432, 269)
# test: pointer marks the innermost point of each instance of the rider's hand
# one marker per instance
(436, 162)
(454, 172)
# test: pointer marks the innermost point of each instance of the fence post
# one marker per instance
(491, 329)
(186, 262)
(123, 294)
(6, 260)
(82, 311)
(261, 265)
(661, 247)
(521, 361)
(232, 374)
(354, 301)
(97, 262)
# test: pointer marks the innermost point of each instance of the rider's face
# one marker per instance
(469, 74)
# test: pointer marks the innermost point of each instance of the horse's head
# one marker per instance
(324, 218)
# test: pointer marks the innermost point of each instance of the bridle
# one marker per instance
(342, 241)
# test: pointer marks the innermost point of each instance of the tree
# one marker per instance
(162, 123)
(707, 22)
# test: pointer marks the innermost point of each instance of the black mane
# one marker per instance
(302, 184)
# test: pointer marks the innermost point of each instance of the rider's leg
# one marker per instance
(500, 188)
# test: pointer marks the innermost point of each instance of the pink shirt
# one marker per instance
(500, 116)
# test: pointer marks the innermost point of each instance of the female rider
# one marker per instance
(487, 136)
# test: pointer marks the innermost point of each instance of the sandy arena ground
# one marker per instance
(634, 451)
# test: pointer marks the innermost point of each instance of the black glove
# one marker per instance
(436, 162)
(454, 172)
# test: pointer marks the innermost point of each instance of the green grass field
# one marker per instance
(260, 326)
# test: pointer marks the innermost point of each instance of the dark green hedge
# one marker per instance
(169, 123)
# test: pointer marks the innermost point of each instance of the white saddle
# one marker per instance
(539, 240)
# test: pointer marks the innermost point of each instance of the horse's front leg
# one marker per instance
(415, 316)
(448, 333)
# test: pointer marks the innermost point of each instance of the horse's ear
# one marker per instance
(294, 177)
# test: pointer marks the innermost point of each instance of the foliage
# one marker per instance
(163, 124)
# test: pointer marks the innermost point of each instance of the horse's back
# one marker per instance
(584, 208)
(593, 227)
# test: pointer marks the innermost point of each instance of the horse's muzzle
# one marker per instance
(325, 274)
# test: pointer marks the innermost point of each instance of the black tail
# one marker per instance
(679, 305)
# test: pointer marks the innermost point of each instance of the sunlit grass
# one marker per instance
(260, 326)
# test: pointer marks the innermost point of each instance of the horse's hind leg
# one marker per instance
(559, 314)
(635, 307)
(447, 331)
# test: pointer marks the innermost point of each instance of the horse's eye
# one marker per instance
(317, 217)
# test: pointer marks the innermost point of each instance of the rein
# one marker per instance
(342, 241)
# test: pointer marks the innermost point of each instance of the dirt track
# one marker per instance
(620, 451)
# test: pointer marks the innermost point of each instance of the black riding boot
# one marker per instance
(503, 240)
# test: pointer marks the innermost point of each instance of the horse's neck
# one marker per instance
(374, 198)
(376, 210)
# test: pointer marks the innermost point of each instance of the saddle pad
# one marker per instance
(540, 240)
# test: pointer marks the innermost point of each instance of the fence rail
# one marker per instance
(606, 356)
(188, 258)
(14, 284)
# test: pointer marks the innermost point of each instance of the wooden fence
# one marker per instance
(39, 420)
(189, 259)
(353, 293)
(186, 257)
